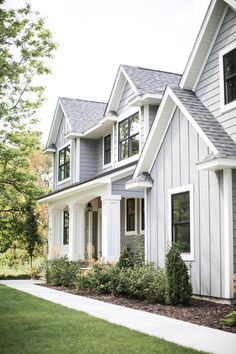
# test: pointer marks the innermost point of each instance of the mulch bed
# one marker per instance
(200, 312)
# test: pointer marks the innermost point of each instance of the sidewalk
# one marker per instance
(176, 331)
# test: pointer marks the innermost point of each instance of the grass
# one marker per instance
(19, 271)
(32, 325)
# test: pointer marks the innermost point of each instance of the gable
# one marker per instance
(126, 96)
(208, 86)
(62, 131)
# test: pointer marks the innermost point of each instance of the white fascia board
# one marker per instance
(138, 185)
(129, 80)
(65, 115)
(146, 99)
(49, 151)
(159, 129)
(53, 124)
(231, 3)
(122, 174)
(216, 164)
(72, 135)
(103, 122)
(202, 43)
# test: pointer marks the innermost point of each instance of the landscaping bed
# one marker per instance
(204, 313)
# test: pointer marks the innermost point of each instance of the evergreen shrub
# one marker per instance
(62, 272)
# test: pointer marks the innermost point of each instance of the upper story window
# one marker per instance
(64, 163)
(130, 216)
(229, 63)
(129, 137)
(142, 215)
(107, 149)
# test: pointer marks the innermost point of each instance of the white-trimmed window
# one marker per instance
(64, 163)
(128, 136)
(107, 149)
(65, 227)
(181, 219)
(227, 61)
(142, 216)
(130, 216)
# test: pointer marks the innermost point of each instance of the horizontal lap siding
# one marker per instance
(175, 166)
(126, 97)
(234, 216)
(208, 87)
(118, 188)
(88, 159)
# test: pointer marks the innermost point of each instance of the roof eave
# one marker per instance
(147, 98)
(216, 164)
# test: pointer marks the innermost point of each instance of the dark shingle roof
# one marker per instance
(207, 122)
(81, 114)
(149, 80)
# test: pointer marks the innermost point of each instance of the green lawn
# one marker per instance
(31, 325)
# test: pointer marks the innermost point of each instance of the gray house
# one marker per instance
(95, 148)
(189, 161)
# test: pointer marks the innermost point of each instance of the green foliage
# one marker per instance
(138, 258)
(230, 319)
(97, 279)
(62, 272)
(178, 286)
(143, 283)
(125, 260)
(25, 48)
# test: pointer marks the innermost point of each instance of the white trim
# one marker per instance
(62, 229)
(58, 154)
(146, 118)
(104, 166)
(142, 231)
(231, 3)
(224, 107)
(181, 189)
(228, 233)
(134, 232)
(77, 159)
(209, 50)
(146, 246)
(138, 185)
(216, 164)
(147, 98)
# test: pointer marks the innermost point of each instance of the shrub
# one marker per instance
(178, 286)
(230, 319)
(138, 258)
(62, 272)
(143, 283)
(97, 279)
(125, 260)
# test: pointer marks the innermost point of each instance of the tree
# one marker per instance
(25, 49)
(31, 231)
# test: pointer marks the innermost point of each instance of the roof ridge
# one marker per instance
(82, 100)
(143, 68)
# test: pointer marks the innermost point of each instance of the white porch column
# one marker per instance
(76, 232)
(228, 233)
(54, 233)
(111, 227)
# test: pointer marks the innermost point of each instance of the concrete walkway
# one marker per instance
(179, 332)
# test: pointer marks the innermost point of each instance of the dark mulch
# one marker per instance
(200, 312)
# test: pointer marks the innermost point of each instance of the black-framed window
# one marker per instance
(229, 63)
(142, 221)
(107, 149)
(130, 215)
(180, 208)
(64, 164)
(65, 227)
(129, 137)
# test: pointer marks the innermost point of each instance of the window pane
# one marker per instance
(67, 170)
(142, 215)
(67, 153)
(181, 234)
(134, 145)
(61, 157)
(107, 149)
(61, 173)
(134, 124)
(230, 90)
(181, 220)
(66, 227)
(230, 63)
(130, 214)
(123, 129)
(123, 150)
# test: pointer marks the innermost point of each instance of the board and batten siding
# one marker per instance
(126, 96)
(60, 141)
(208, 87)
(88, 159)
(175, 166)
(234, 215)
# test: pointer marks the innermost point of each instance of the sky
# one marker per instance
(95, 36)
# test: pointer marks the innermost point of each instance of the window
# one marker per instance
(129, 137)
(130, 215)
(180, 204)
(229, 64)
(65, 227)
(64, 164)
(107, 149)
(142, 215)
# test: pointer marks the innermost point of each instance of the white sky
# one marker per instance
(96, 36)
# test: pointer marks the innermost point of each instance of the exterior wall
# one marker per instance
(152, 114)
(126, 96)
(234, 215)
(88, 159)
(175, 166)
(100, 156)
(118, 188)
(208, 87)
